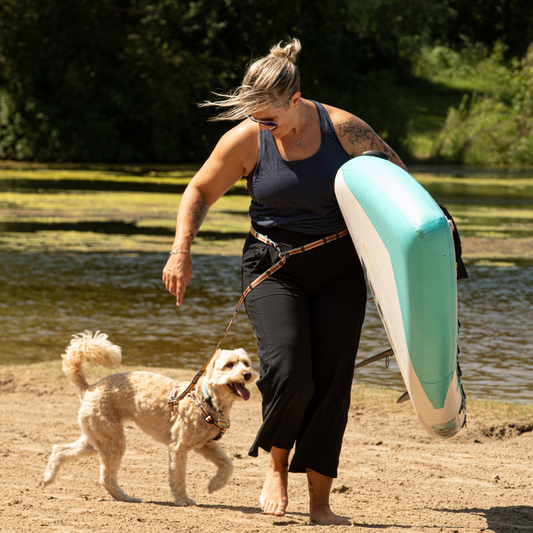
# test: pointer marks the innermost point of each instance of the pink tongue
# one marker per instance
(243, 392)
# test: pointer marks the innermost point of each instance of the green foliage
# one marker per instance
(442, 64)
(118, 80)
(490, 21)
(495, 127)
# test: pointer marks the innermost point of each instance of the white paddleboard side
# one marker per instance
(438, 400)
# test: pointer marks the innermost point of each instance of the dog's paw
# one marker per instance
(123, 497)
(217, 483)
(184, 502)
(131, 499)
(44, 482)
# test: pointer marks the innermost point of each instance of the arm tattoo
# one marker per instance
(356, 132)
(361, 133)
(198, 213)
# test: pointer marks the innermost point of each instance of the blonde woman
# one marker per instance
(308, 315)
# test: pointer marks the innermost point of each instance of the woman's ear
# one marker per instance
(296, 99)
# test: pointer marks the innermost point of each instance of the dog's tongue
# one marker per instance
(242, 391)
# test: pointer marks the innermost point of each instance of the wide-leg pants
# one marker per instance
(307, 318)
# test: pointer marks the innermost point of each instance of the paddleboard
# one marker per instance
(405, 244)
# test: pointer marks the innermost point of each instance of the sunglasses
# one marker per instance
(266, 123)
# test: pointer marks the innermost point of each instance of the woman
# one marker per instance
(308, 315)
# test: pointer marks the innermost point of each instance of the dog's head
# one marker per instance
(231, 369)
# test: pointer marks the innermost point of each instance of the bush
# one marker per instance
(118, 80)
(494, 127)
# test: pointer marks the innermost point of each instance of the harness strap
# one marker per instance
(283, 256)
(221, 425)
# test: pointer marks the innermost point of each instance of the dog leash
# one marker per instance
(283, 256)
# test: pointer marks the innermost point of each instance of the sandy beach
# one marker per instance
(393, 476)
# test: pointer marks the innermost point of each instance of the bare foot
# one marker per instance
(274, 498)
(322, 514)
(319, 510)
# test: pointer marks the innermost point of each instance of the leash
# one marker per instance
(283, 256)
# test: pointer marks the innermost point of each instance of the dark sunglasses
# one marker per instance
(266, 123)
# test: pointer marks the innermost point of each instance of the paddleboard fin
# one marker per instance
(383, 355)
(403, 398)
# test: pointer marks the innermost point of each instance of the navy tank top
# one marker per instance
(298, 195)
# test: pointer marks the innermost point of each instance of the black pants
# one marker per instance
(307, 318)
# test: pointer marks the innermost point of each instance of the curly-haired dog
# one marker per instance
(142, 397)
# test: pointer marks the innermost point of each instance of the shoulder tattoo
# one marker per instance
(358, 132)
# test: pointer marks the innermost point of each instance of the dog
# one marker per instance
(143, 398)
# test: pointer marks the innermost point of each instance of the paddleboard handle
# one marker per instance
(377, 153)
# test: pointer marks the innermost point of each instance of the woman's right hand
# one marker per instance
(233, 157)
(177, 274)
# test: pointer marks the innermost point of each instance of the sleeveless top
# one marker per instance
(298, 195)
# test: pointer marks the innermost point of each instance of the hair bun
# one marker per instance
(290, 51)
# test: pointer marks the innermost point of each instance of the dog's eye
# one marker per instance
(229, 365)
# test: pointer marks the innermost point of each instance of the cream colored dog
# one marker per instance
(142, 397)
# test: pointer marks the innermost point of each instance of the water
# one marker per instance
(46, 297)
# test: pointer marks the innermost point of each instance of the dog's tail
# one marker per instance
(97, 349)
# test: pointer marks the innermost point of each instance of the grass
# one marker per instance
(428, 103)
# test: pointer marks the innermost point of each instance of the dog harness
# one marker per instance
(283, 256)
(221, 425)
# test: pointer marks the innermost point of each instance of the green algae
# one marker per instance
(85, 217)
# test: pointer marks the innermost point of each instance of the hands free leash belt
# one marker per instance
(283, 256)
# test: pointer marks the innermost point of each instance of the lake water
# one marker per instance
(46, 297)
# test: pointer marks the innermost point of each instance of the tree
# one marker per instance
(118, 80)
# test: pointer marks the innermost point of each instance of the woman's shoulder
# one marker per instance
(241, 142)
(339, 117)
(356, 136)
(244, 135)
(353, 133)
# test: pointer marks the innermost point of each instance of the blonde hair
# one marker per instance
(269, 81)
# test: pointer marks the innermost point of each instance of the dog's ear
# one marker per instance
(211, 366)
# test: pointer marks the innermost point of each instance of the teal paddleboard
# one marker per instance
(405, 244)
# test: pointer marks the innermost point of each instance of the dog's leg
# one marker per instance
(108, 438)
(177, 469)
(213, 452)
(62, 453)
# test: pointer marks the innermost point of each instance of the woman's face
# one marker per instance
(283, 117)
(269, 118)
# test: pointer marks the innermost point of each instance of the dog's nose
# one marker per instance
(246, 376)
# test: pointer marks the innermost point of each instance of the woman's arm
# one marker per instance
(356, 136)
(232, 158)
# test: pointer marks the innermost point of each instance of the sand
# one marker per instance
(393, 477)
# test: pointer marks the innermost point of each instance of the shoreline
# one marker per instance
(393, 476)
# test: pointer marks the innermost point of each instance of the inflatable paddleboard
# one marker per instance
(406, 247)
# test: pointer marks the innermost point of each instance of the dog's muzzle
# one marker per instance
(239, 389)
